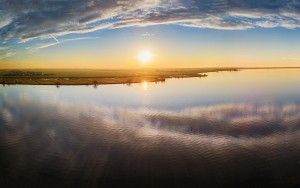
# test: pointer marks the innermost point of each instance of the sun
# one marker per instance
(145, 56)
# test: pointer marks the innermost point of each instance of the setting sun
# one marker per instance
(145, 56)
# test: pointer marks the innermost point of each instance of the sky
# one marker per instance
(149, 33)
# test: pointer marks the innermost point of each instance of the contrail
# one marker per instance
(54, 38)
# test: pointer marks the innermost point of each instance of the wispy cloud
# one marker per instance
(6, 53)
(26, 20)
(47, 45)
(54, 38)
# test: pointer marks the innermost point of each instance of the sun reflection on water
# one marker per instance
(145, 85)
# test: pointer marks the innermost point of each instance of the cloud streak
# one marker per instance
(56, 42)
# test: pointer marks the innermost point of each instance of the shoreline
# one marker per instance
(99, 77)
(103, 76)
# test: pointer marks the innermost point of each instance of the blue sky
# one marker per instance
(110, 33)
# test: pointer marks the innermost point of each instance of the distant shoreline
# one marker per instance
(98, 77)
(101, 77)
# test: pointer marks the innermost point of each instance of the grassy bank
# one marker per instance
(98, 77)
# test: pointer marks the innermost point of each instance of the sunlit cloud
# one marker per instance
(27, 20)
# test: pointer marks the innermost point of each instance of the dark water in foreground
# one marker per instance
(229, 129)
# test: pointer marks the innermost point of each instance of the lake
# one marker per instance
(227, 129)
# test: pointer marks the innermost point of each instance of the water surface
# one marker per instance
(228, 129)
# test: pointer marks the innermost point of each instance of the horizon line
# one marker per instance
(145, 68)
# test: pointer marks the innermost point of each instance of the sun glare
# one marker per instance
(145, 85)
(145, 56)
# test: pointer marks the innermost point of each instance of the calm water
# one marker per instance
(229, 129)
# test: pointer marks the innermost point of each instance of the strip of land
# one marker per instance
(99, 77)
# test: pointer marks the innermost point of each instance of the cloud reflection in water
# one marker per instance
(61, 144)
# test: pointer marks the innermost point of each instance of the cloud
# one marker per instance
(56, 42)
(31, 19)
(26, 20)
(6, 53)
